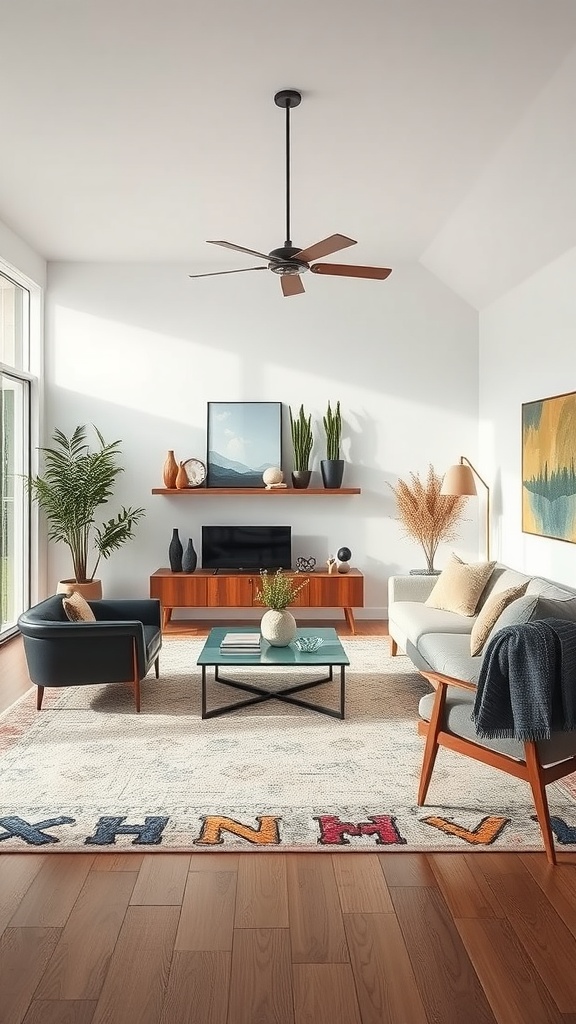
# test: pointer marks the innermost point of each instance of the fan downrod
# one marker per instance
(287, 98)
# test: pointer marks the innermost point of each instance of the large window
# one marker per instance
(14, 453)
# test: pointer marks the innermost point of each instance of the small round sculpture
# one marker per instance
(344, 554)
(273, 477)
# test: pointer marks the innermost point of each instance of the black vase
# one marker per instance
(189, 558)
(175, 552)
(301, 478)
(332, 472)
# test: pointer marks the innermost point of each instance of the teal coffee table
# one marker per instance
(330, 655)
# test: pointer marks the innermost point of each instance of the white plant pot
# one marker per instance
(278, 627)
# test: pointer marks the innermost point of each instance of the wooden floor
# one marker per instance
(272, 938)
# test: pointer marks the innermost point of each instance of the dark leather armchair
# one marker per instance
(119, 647)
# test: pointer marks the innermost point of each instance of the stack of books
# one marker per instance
(240, 643)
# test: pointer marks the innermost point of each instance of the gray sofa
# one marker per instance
(439, 641)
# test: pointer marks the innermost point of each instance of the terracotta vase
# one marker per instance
(181, 477)
(91, 591)
(170, 471)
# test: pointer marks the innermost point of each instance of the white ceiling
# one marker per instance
(136, 129)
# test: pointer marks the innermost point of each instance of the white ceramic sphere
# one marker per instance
(273, 475)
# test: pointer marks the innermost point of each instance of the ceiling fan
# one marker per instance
(289, 261)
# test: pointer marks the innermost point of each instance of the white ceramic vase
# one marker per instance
(278, 627)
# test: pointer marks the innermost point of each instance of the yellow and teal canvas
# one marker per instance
(549, 467)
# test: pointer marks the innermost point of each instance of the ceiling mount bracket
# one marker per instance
(287, 98)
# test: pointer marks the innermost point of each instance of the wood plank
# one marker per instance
(361, 885)
(207, 918)
(316, 925)
(407, 869)
(512, 986)
(558, 883)
(60, 1011)
(447, 982)
(465, 890)
(161, 880)
(54, 891)
(79, 964)
(215, 861)
(198, 989)
(24, 953)
(548, 942)
(261, 978)
(385, 982)
(325, 994)
(118, 861)
(17, 872)
(262, 893)
(137, 978)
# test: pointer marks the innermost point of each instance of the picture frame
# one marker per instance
(243, 440)
(549, 467)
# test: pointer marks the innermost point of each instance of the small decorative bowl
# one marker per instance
(308, 644)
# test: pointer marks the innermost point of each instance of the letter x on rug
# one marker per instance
(88, 773)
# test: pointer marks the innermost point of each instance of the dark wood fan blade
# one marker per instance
(217, 273)
(342, 270)
(241, 248)
(328, 245)
(292, 284)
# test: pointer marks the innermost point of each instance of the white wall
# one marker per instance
(17, 255)
(139, 350)
(527, 352)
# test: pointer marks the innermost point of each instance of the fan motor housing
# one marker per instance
(291, 266)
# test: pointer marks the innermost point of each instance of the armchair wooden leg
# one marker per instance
(136, 685)
(157, 667)
(393, 648)
(135, 676)
(39, 696)
(536, 780)
(431, 748)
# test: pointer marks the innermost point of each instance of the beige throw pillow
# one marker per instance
(488, 614)
(77, 609)
(460, 585)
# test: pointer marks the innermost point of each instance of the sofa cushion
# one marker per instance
(460, 585)
(489, 613)
(501, 579)
(552, 591)
(77, 608)
(530, 607)
(412, 619)
(449, 654)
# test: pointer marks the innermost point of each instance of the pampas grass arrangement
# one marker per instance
(427, 515)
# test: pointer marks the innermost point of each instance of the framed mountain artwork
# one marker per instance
(244, 439)
(549, 467)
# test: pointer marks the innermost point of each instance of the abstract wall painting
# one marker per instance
(549, 467)
(244, 439)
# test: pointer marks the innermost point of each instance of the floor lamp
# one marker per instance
(459, 481)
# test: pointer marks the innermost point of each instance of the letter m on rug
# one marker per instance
(213, 825)
(333, 832)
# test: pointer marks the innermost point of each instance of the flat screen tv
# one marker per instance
(248, 548)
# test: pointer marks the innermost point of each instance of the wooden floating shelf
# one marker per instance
(255, 491)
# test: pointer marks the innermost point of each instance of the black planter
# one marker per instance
(332, 472)
(189, 558)
(301, 478)
(175, 552)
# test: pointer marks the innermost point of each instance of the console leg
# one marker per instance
(166, 616)
(349, 616)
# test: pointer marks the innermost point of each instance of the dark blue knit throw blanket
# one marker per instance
(527, 683)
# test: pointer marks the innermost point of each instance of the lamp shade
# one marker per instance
(458, 480)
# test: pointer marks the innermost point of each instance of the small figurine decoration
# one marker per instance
(343, 556)
(305, 564)
(273, 478)
(331, 563)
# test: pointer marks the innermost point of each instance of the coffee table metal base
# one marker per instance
(286, 695)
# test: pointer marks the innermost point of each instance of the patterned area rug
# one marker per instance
(88, 773)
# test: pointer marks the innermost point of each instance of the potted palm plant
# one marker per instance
(302, 441)
(332, 467)
(76, 481)
(278, 625)
(427, 515)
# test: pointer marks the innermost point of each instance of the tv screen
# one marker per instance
(246, 547)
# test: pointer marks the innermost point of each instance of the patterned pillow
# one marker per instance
(77, 609)
(488, 614)
(460, 585)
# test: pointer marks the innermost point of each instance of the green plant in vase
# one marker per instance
(332, 466)
(302, 442)
(278, 625)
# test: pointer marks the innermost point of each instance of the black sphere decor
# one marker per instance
(343, 554)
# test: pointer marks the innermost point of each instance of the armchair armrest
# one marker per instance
(409, 588)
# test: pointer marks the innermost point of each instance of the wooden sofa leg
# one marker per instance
(136, 685)
(540, 799)
(39, 697)
(431, 748)
(393, 648)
